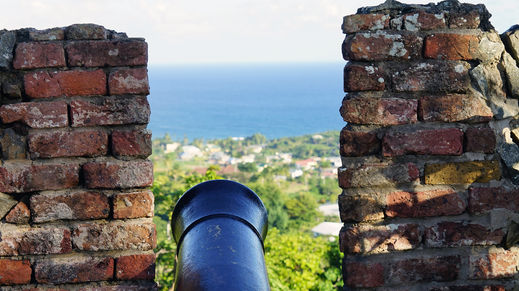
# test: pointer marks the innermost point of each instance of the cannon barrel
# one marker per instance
(219, 227)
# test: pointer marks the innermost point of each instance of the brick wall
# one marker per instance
(75, 210)
(430, 157)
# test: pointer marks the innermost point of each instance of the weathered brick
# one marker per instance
(133, 205)
(36, 114)
(381, 46)
(462, 172)
(131, 143)
(456, 234)
(495, 263)
(121, 174)
(432, 77)
(136, 267)
(355, 144)
(422, 20)
(56, 33)
(16, 178)
(129, 81)
(379, 111)
(114, 236)
(446, 141)
(480, 140)
(7, 202)
(35, 241)
(356, 208)
(13, 144)
(124, 286)
(468, 20)
(65, 83)
(85, 31)
(110, 111)
(77, 206)
(451, 46)
(470, 288)
(362, 274)
(15, 272)
(30, 55)
(440, 269)
(360, 77)
(107, 53)
(483, 199)
(425, 203)
(68, 144)
(454, 108)
(357, 22)
(365, 238)
(74, 270)
(369, 175)
(20, 214)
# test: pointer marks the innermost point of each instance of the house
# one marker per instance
(190, 152)
(171, 147)
(328, 229)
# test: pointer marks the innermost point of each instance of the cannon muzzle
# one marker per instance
(219, 227)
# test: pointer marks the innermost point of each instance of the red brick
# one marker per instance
(447, 141)
(379, 111)
(133, 205)
(136, 267)
(110, 111)
(456, 234)
(433, 76)
(30, 55)
(357, 22)
(121, 174)
(355, 144)
(425, 203)
(382, 174)
(15, 272)
(480, 140)
(358, 77)
(129, 81)
(134, 143)
(356, 208)
(16, 178)
(56, 33)
(483, 199)
(381, 46)
(20, 214)
(360, 274)
(36, 114)
(365, 238)
(468, 20)
(77, 206)
(454, 108)
(440, 269)
(451, 46)
(114, 236)
(35, 241)
(65, 83)
(74, 270)
(424, 21)
(107, 53)
(493, 264)
(68, 144)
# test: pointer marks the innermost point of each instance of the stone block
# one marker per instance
(439, 202)
(129, 81)
(358, 22)
(112, 110)
(103, 53)
(133, 205)
(120, 174)
(45, 84)
(76, 206)
(457, 234)
(462, 172)
(55, 144)
(451, 46)
(356, 144)
(382, 46)
(379, 111)
(443, 141)
(454, 108)
(32, 55)
(36, 114)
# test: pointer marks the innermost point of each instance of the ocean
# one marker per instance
(238, 100)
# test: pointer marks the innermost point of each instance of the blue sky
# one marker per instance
(209, 31)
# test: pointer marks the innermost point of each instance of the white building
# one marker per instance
(190, 152)
(171, 147)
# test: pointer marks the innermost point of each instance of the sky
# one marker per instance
(220, 31)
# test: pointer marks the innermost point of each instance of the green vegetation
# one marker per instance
(291, 176)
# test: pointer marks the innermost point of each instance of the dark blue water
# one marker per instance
(218, 101)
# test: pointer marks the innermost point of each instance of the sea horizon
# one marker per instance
(212, 101)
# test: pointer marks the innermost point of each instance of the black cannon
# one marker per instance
(219, 227)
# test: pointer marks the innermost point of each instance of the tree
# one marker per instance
(298, 261)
